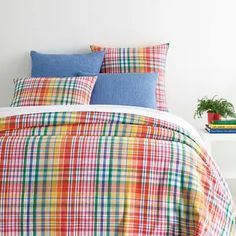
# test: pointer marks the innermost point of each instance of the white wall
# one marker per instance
(202, 36)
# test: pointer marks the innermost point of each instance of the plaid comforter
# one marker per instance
(97, 173)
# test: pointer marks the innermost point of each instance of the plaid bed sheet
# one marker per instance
(97, 173)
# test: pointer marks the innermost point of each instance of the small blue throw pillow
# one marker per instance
(56, 65)
(131, 89)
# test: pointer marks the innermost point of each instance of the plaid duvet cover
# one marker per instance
(98, 173)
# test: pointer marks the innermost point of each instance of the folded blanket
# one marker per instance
(100, 173)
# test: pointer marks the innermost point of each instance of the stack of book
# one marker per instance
(222, 127)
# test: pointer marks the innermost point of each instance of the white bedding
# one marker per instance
(11, 111)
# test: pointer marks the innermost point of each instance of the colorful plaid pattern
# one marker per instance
(53, 91)
(95, 173)
(147, 59)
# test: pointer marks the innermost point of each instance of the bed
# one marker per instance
(107, 170)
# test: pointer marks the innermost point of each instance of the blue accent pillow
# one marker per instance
(131, 89)
(56, 65)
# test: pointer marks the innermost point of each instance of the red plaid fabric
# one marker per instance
(147, 59)
(53, 91)
(100, 173)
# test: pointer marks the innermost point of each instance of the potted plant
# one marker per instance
(216, 108)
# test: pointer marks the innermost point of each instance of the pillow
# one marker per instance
(52, 65)
(53, 91)
(133, 89)
(147, 59)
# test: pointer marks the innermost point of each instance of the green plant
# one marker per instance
(221, 106)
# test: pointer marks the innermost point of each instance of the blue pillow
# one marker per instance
(56, 65)
(131, 89)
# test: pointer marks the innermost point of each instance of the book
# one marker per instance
(225, 122)
(220, 131)
(215, 126)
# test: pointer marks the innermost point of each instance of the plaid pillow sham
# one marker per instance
(53, 91)
(141, 60)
